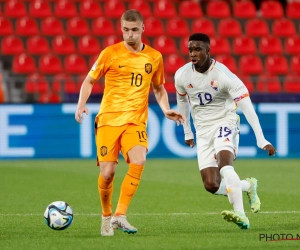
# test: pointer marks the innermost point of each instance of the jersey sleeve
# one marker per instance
(159, 75)
(179, 85)
(101, 65)
(236, 88)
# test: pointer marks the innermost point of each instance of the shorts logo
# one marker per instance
(148, 68)
(103, 150)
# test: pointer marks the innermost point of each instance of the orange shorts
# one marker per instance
(111, 140)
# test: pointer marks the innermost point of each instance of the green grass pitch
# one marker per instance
(171, 209)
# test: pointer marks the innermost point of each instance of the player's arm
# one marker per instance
(246, 106)
(163, 101)
(85, 91)
(184, 109)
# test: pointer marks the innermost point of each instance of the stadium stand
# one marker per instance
(58, 41)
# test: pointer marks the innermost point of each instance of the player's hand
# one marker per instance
(190, 143)
(79, 113)
(271, 150)
(175, 116)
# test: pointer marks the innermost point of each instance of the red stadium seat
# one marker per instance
(103, 26)
(295, 64)
(90, 9)
(248, 82)
(228, 61)
(271, 9)
(54, 98)
(63, 45)
(36, 82)
(164, 44)
(229, 27)
(153, 27)
(164, 9)
(142, 6)
(52, 26)
(173, 63)
(60, 81)
(292, 84)
(37, 45)
(6, 27)
(257, 28)
(12, 45)
(283, 28)
(269, 84)
(270, 45)
(219, 45)
(244, 9)
(177, 27)
(15, 9)
(218, 9)
(50, 64)
(75, 64)
(70, 87)
(77, 26)
(114, 9)
(110, 40)
(203, 25)
(190, 9)
(250, 65)
(88, 45)
(183, 45)
(292, 45)
(40, 9)
(293, 10)
(276, 64)
(244, 45)
(23, 64)
(26, 26)
(65, 9)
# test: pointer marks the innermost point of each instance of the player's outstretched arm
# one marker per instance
(246, 106)
(162, 99)
(85, 91)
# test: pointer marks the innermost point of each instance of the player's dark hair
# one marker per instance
(200, 37)
(132, 16)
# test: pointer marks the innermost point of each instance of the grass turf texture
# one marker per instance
(171, 208)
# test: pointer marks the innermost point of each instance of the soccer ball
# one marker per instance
(58, 215)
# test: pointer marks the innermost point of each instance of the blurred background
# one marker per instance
(48, 46)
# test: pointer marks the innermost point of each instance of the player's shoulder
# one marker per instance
(184, 70)
(149, 50)
(114, 47)
(221, 69)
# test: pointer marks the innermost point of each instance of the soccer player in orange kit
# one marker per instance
(130, 68)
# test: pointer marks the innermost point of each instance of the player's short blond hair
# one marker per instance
(132, 16)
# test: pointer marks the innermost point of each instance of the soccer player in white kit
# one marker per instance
(213, 92)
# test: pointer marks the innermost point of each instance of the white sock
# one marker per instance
(233, 187)
(245, 185)
(222, 188)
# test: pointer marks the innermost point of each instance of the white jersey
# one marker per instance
(212, 94)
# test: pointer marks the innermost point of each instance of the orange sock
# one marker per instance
(105, 189)
(129, 187)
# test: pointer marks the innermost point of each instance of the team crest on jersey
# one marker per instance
(103, 150)
(148, 68)
(94, 66)
(214, 85)
(190, 86)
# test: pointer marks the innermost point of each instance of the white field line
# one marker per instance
(158, 214)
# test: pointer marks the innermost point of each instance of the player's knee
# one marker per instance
(211, 187)
(107, 175)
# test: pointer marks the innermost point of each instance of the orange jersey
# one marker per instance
(128, 77)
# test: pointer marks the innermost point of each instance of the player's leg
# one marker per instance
(134, 148)
(225, 147)
(108, 150)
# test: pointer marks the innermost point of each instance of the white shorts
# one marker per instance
(224, 136)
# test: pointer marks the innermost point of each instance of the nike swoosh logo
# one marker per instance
(121, 66)
(133, 184)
